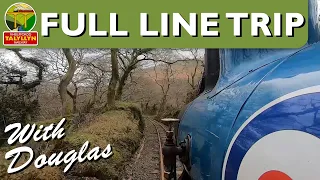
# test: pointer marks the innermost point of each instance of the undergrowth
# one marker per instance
(122, 128)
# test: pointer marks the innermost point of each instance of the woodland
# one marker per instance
(104, 94)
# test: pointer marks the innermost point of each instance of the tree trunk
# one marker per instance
(133, 61)
(93, 100)
(163, 102)
(66, 79)
(162, 105)
(74, 97)
(122, 83)
(74, 103)
(94, 96)
(114, 79)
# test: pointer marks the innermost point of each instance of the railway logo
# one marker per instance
(278, 140)
(20, 19)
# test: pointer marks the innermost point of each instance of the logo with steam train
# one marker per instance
(20, 19)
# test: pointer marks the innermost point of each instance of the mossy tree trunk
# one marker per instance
(66, 79)
(122, 82)
(74, 97)
(114, 79)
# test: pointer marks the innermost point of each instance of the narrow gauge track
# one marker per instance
(161, 137)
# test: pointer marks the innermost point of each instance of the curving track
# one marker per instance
(148, 161)
(161, 138)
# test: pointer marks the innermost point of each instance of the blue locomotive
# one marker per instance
(257, 116)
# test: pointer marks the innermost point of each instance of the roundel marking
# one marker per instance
(279, 140)
(287, 151)
(273, 174)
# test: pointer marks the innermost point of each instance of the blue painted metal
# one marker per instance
(301, 113)
(249, 79)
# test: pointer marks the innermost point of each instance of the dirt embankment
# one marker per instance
(121, 128)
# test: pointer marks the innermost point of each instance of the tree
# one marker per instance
(18, 98)
(97, 72)
(66, 79)
(196, 57)
(58, 70)
(129, 59)
(15, 76)
(74, 96)
(164, 80)
(114, 79)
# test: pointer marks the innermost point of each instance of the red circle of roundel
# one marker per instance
(274, 175)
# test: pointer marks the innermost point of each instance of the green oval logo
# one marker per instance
(20, 17)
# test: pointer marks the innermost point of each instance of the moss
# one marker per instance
(116, 127)
(57, 120)
(135, 110)
(30, 173)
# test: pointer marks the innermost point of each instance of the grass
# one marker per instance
(116, 127)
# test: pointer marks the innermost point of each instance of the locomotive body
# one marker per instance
(260, 119)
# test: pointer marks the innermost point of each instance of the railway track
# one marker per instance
(161, 138)
(148, 161)
(161, 130)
